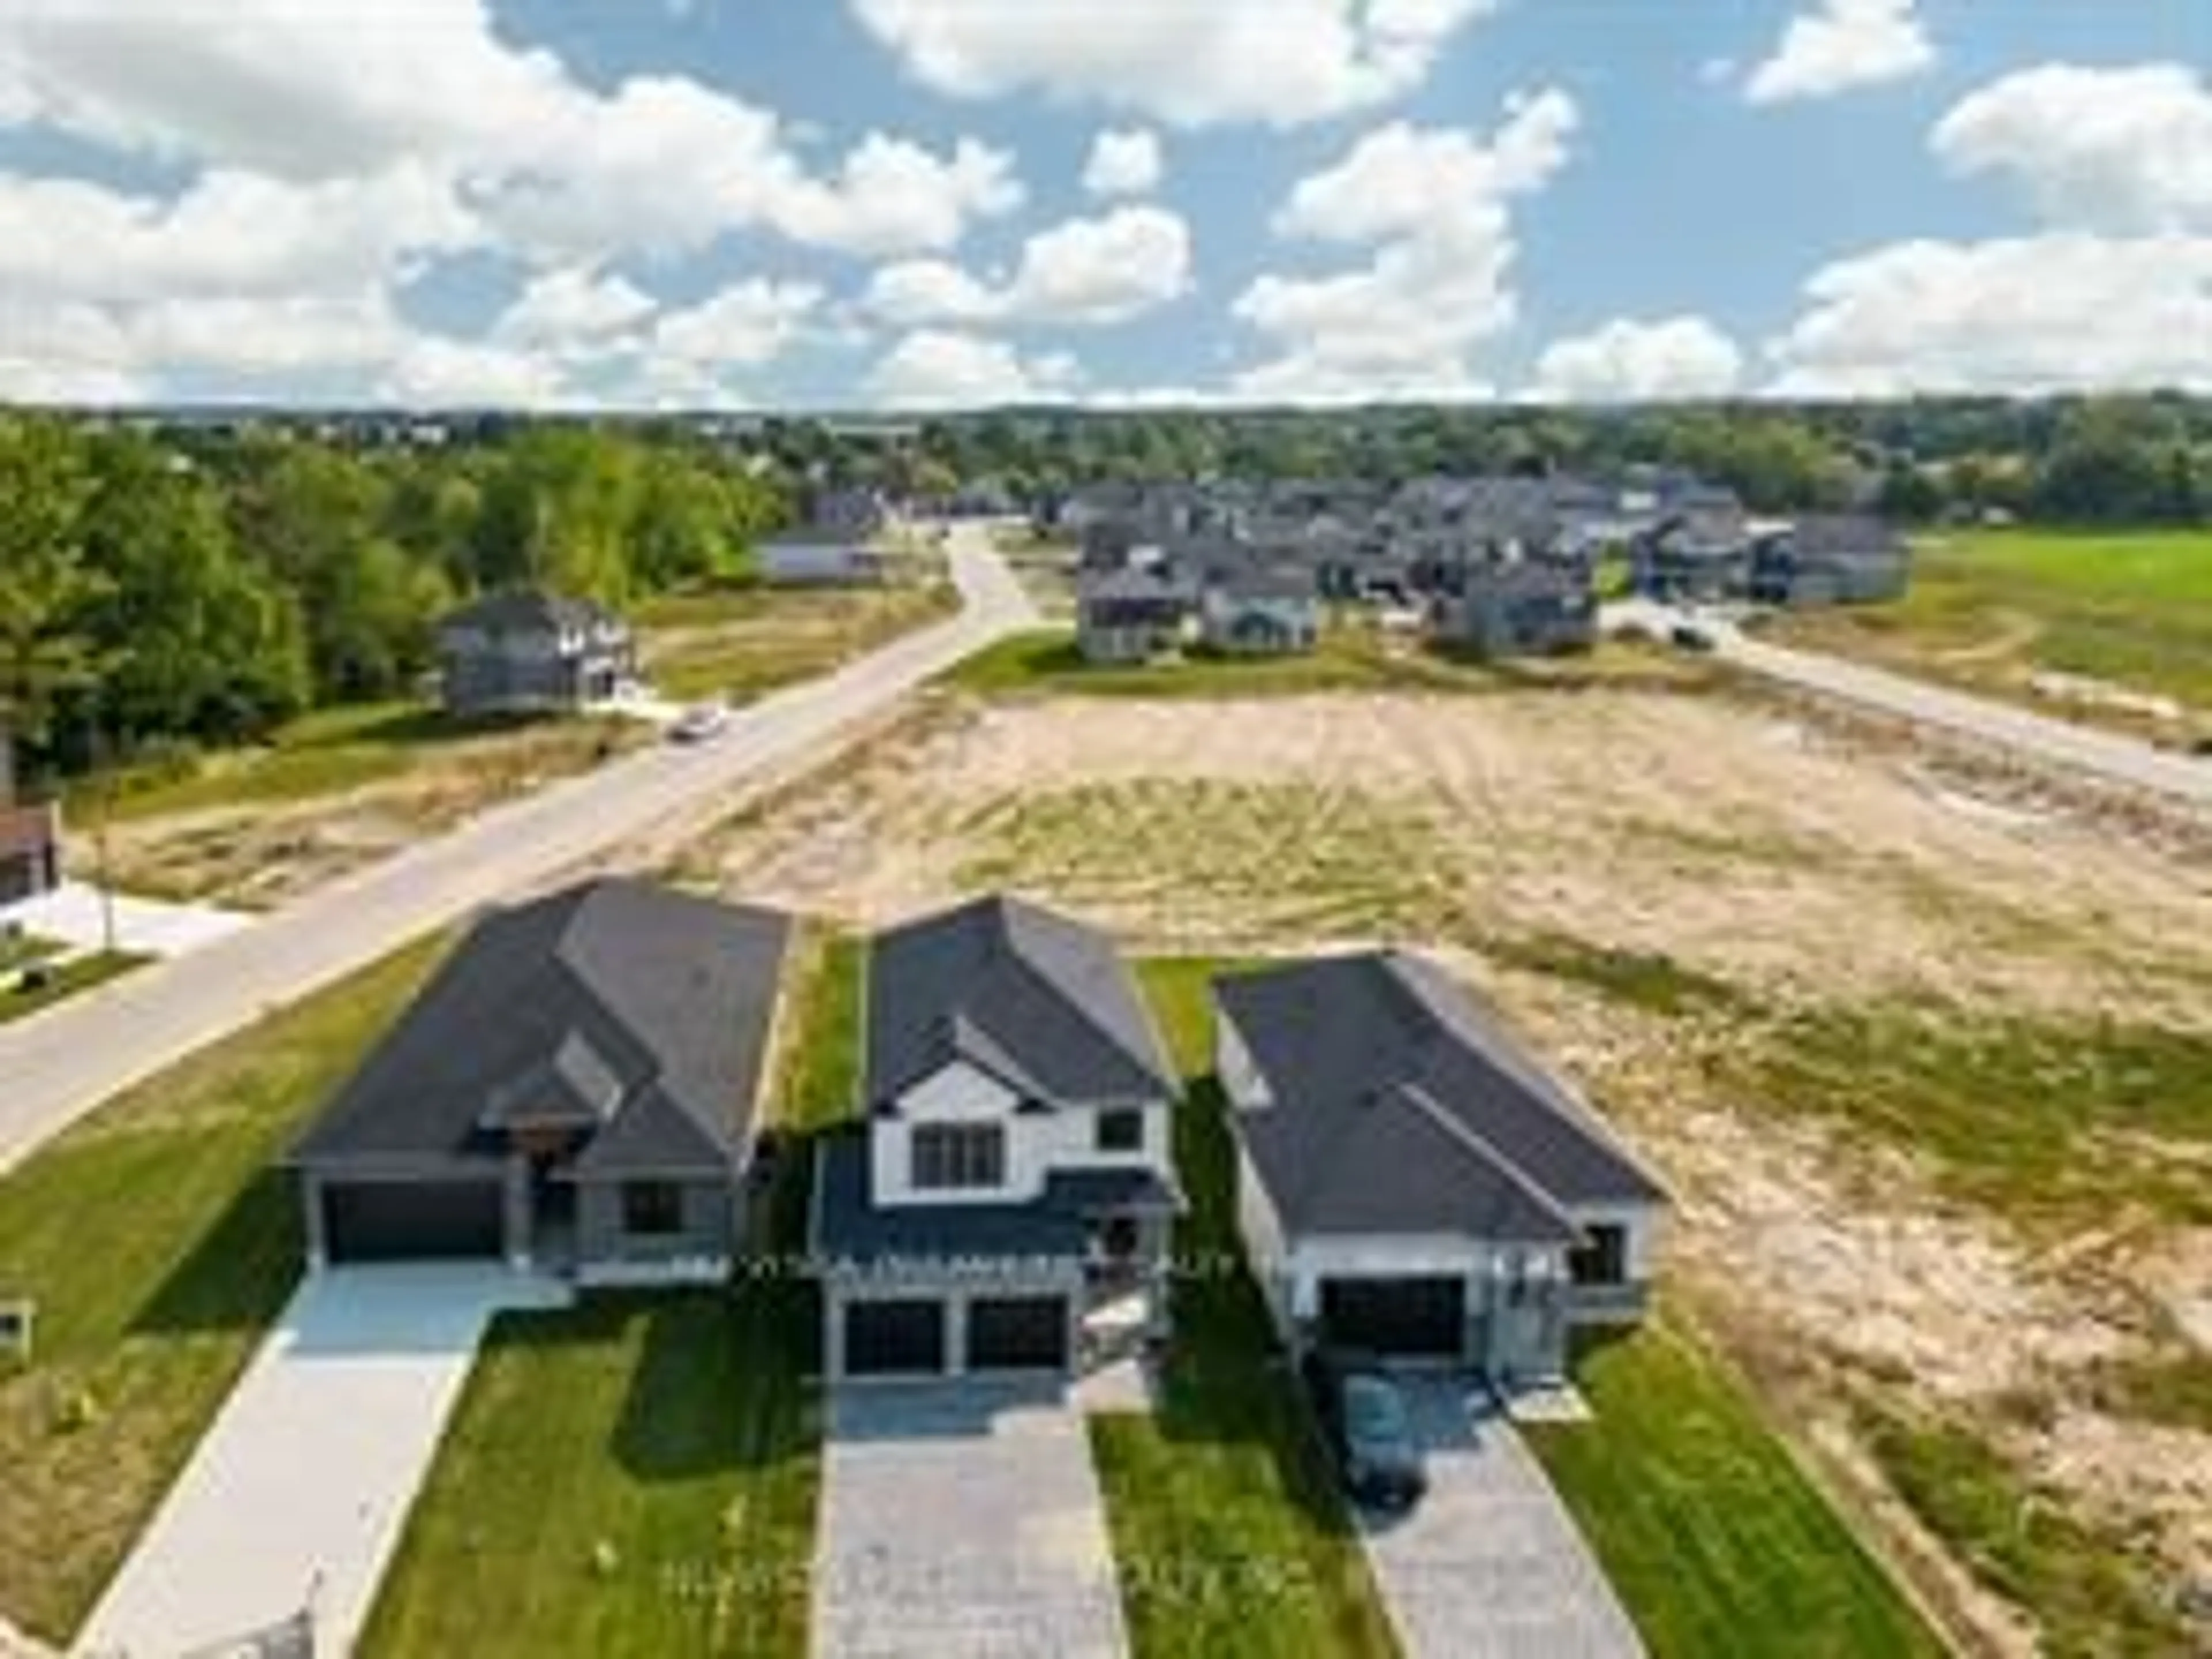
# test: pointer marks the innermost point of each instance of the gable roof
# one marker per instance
(1037, 1000)
(528, 609)
(641, 1013)
(1397, 1103)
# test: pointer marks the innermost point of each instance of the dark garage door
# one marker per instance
(1017, 1332)
(885, 1338)
(1414, 1317)
(399, 1221)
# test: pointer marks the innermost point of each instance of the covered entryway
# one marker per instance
(411, 1220)
(1017, 1332)
(1417, 1318)
(899, 1338)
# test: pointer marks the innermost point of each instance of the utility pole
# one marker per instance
(103, 797)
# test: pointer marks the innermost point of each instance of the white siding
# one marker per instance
(1037, 1143)
(1641, 1222)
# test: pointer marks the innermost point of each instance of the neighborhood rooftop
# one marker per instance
(1396, 1100)
(1037, 1001)
(640, 1012)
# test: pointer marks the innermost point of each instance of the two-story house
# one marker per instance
(1411, 1181)
(1007, 1200)
(527, 652)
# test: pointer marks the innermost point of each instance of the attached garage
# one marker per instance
(1412, 1318)
(411, 1221)
(1017, 1332)
(899, 1338)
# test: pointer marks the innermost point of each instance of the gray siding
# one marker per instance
(709, 1226)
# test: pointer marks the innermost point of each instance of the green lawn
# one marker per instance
(2090, 1597)
(75, 974)
(640, 1474)
(1987, 608)
(2051, 1124)
(1227, 1528)
(1348, 660)
(157, 1243)
(332, 752)
(1713, 1537)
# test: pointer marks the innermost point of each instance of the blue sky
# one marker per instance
(941, 203)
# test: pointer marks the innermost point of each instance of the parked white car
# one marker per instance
(701, 723)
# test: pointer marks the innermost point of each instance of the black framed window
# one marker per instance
(950, 1156)
(1602, 1256)
(1120, 1129)
(652, 1208)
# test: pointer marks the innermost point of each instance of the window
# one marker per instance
(652, 1208)
(948, 1156)
(1121, 1130)
(1602, 1256)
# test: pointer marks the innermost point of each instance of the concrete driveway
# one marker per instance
(963, 1518)
(299, 1491)
(68, 1059)
(75, 915)
(1489, 1565)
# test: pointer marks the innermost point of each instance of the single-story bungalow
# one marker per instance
(574, 1090)
(1411, 1181)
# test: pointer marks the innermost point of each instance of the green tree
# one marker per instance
(46, 582)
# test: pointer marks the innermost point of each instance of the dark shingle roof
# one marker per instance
(1399, 1103)
(619, 1004)
(849, 1226)
(528, 609)
(1037, 1000)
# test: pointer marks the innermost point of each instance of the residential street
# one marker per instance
(2035, 737)
(60, 1064)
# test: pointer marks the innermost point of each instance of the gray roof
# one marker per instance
(1135, 582)
(1038, 1000)
(1400, 1103)
(528, 611)
(1845, 536)
(849, 1226)
(638, 1013)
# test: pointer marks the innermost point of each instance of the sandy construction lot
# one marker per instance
(1663, 890)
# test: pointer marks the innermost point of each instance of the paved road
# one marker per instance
(1489, 1565)
(58, 1065)
(2053, 742)
(963, 1518)
(300, 1488)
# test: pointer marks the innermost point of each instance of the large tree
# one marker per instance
(46, 582)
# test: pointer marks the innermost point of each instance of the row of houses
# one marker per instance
(1498, 566)
(581, 1090)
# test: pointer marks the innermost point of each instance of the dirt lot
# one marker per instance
(1668, 892)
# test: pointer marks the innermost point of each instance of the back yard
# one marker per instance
(1922, 1057)
(2026, 613)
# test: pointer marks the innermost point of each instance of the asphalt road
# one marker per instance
(57, 1066)
(2102, 755)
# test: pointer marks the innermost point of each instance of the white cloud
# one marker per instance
(2127, 149)
(745, 325)
(1842, 45)
(573, 309)
(434, 372)
(937, 368)
(1124, 163)
(1630, 362)
(1188, 62)
(2060, 312)
(307, 91)
(229, 232)
(1087, 271)
(1438, 204)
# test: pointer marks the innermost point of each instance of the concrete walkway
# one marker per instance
(299, 1491)
(74, 914)
(62, 1062)
(963, 1518)
(1489, 1565)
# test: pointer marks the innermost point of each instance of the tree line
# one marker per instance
(205, 590)
(2122, 460)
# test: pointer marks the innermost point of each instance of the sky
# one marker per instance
(913, 204)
